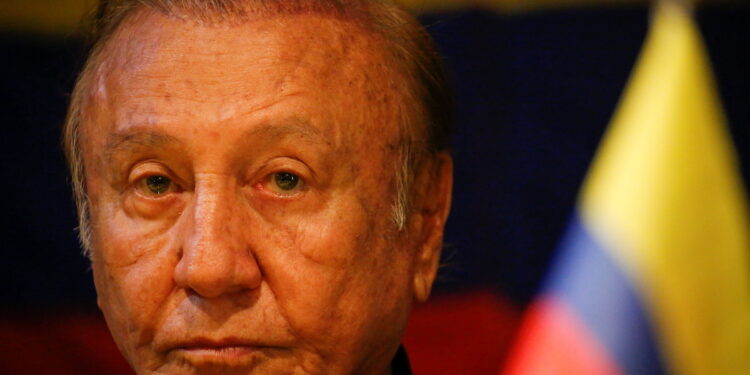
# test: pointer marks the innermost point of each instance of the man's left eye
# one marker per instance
(285, 183)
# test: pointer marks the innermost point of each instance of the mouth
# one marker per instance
(230, 352)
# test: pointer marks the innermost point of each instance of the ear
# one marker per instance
(432, 204)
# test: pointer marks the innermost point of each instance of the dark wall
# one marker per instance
(534, 91)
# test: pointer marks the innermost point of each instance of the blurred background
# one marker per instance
(536, 84)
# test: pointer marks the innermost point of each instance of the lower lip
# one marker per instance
(233, 355)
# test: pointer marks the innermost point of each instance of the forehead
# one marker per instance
(226, 71)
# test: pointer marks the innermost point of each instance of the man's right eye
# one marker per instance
(155, 185)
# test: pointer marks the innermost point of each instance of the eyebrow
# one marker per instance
(135, 139)
(296, 127)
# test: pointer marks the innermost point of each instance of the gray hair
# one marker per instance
(409, 45)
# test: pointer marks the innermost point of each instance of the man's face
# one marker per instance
(240, 182)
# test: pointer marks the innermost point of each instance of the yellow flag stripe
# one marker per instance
(664, 194)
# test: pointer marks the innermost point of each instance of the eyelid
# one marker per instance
(143, 170)
(266, 175)
(281, 165)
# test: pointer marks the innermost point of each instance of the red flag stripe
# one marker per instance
(552, 341)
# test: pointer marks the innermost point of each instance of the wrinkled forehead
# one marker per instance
(321, 42)
(255, 62)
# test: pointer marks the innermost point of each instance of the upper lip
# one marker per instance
(207, 343)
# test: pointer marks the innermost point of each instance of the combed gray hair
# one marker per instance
(426, 127)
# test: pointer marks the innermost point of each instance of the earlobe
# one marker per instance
(434, 202)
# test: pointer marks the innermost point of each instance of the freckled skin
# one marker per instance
(317, 282)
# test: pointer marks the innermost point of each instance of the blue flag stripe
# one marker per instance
(590, 281)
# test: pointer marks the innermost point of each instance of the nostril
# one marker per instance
(212, 271)
(205, 277)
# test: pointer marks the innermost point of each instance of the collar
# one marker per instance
(400, 364)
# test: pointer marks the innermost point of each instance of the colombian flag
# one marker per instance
(652, 276)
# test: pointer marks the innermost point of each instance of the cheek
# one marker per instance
(133, 274)
(340, 279)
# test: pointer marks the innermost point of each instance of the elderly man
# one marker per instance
(262, 185)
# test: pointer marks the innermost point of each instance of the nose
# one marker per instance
(216, 258)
